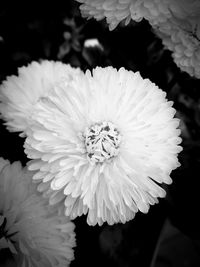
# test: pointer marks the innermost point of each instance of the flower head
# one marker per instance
(154, 11)
(182, 37)
(175, 21)
(116, 11)
(36, 234)
(19, 94)
(102, 142)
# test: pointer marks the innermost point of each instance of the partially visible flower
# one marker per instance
(116, 11)
(177, 21)
(155, 11)
(36, 235)
(102, 143)
(19, 94)
(182, 37)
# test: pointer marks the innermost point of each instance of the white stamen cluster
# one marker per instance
(102, 142)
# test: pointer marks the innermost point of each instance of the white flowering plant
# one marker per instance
(104, 116)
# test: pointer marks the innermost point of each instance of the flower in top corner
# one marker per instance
(102, 144)
(19, 94)
(33, 233)
(176, 22)
(155, 11)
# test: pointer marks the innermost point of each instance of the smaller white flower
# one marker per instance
(19, 94)
(36, 235)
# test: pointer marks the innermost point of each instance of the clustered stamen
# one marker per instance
(102, 142)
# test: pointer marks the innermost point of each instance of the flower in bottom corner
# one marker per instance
(102, 144)
(31, 233)
(19, 94)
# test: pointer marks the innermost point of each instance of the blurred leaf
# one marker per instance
(155, 52)
(72, 38)
(174, 249)
(64, 49)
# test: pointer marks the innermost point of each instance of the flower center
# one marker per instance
(102, 142)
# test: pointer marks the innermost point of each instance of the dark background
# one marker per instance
(169, 234)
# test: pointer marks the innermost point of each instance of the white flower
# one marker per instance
(102, 143)
(19, 94)
(155, 11)
(182, 37)
(36, 235)
(176, 22)
(116, 11)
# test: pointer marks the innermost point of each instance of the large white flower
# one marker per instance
(19, 94)
(36, 235)
(102, 143)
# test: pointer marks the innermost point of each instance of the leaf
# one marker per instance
(174, 249)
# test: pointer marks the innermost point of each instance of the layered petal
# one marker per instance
(19, 94)
(36, 234)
